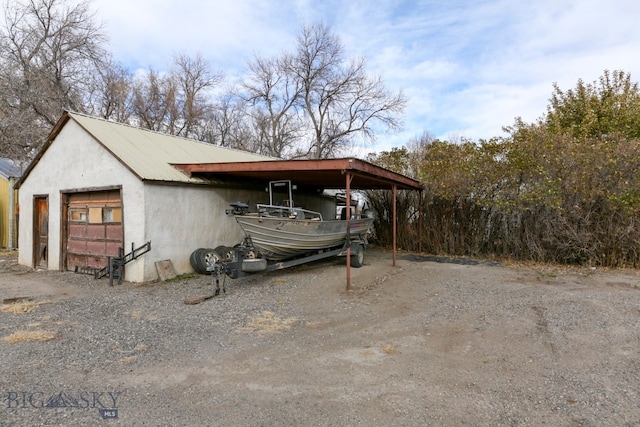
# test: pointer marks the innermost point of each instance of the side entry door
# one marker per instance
(40, 231)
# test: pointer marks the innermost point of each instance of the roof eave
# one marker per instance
(375, 177)
(52, 135)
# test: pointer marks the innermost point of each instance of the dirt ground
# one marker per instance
(430, 341)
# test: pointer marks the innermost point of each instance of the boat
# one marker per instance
(280, 238)
(281, 235)
(281, 231)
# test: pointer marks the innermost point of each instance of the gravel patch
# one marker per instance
(425, 342)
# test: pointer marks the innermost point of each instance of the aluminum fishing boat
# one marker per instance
(282, 231)
(279, 238)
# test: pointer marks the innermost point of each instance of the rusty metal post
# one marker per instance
(348, 209)
(395, 223)
(420, 223)
(110, 267)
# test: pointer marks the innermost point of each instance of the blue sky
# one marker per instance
(467, 67)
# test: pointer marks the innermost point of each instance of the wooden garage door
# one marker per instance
(94, 228)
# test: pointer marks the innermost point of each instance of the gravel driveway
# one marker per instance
(422, 343)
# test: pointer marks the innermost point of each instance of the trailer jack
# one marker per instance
(216, 273)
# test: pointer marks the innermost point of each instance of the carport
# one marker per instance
(348, 174)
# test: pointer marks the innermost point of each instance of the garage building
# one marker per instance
(97, 186)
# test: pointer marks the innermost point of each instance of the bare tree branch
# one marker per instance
(340, 99)
(52, 51)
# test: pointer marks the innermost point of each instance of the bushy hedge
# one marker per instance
(537, 195)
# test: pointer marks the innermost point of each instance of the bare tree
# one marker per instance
(225, 124)
(51, 51)
(154, 101)
(340, 99)
(176, 102)
(112, 97)
(315, 102)
(273, 94)
(193, 77)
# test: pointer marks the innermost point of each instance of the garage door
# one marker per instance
(94, 228)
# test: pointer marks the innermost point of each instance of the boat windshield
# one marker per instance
(281, 203)
(288, 212)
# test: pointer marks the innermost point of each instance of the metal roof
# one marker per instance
(326, 173)
(148, 154)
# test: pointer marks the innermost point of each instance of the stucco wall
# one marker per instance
(183, 219)
(75, 161)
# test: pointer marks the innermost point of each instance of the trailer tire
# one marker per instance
(357, 256)
(208, 258)
(226, 253)
(248, 253)
(195, 260)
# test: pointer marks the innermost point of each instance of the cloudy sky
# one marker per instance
(467, 67)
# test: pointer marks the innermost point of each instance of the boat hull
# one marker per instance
(282, 238)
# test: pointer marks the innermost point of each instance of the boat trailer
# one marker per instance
(243, 262)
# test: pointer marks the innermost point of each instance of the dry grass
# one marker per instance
(128, 360)
(29, 336)
(22, 307)
(390, 349)
(267, 323)
(135, 315)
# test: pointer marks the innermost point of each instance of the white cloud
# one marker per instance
(469, 68)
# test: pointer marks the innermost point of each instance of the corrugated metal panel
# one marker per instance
(150, 154)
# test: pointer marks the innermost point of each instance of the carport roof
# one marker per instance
(325, 173)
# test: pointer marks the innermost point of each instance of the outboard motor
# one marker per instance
(238, 208)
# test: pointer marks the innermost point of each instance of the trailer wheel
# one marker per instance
(208, 258)
(196, 261)
(248, 254)
(226, 253)
(357, 256)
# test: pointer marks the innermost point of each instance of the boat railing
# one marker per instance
(288, 212)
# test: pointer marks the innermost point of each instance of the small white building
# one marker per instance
(97, 186)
